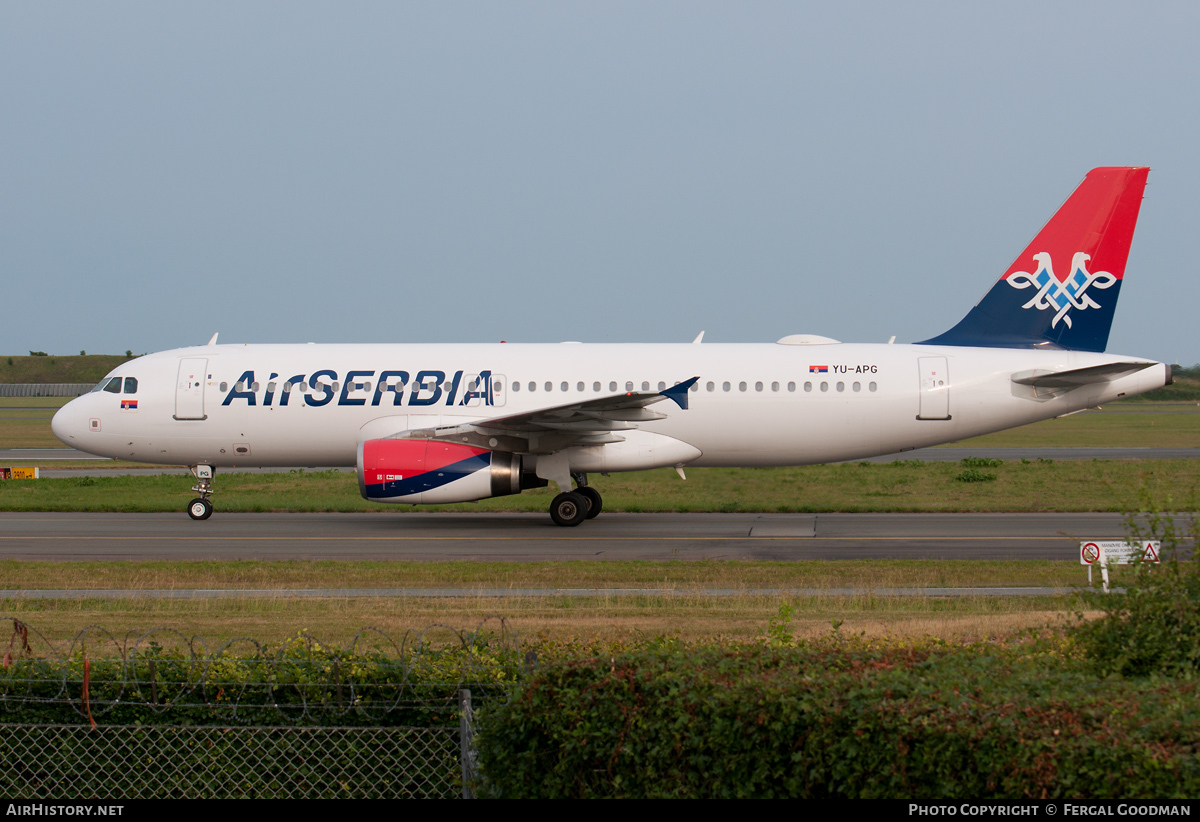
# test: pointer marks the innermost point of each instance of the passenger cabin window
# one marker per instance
(516, 386)
(131, 385)
(595, 386)
(578, 387)
(612, 386)
(224, 386)
(710, 386)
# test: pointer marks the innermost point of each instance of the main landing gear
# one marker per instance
(573, 507)
(201, 508)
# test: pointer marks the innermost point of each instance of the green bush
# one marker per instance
(974, 475)
(840, 719)
(300, 682)
(1152, 626)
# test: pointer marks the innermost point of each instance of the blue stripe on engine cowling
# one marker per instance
(429, 480)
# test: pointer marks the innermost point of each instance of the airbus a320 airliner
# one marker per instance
(454, 423)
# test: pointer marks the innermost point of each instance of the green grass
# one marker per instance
(241, 574)
(51, 369)
(1107, 429)
(1075, 485)
(691, 615)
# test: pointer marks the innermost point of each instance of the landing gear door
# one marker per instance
(935, 389)
(189, 389)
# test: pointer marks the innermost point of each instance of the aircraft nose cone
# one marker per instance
(65, 423)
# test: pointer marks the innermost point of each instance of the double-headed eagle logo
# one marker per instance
(1057, 295)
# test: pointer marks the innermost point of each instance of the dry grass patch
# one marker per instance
(24, 574)
(559, 618)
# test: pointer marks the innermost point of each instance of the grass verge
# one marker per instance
(690, 614)
(1040, 485)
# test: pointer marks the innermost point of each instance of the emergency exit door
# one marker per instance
(189, 389)
(935, 389)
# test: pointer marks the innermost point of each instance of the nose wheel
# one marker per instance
(201, 507)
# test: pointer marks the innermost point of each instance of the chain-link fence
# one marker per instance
(64, 762)
(158, 714)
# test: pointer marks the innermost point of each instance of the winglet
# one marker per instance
(679, 393)
(213, 341)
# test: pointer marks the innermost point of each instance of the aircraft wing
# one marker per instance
(546, 430)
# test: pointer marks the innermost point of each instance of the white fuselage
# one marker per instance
(754, 404)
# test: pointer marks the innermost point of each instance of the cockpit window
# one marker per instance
(114, 386)
(131, 385)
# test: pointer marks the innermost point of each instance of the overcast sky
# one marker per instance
(604, 172)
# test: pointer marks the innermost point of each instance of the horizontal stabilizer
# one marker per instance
(1076, 377)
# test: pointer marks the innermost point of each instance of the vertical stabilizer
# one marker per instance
(1062, 291)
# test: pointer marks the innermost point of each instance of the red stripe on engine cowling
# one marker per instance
(411, 457)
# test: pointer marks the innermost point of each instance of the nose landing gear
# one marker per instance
(201, 508)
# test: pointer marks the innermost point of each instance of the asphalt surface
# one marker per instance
(532, 537)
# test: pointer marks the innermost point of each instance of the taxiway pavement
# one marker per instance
(532, 537)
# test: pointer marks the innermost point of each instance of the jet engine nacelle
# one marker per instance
(426, 471)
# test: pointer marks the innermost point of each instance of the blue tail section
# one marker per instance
(1062, 291)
